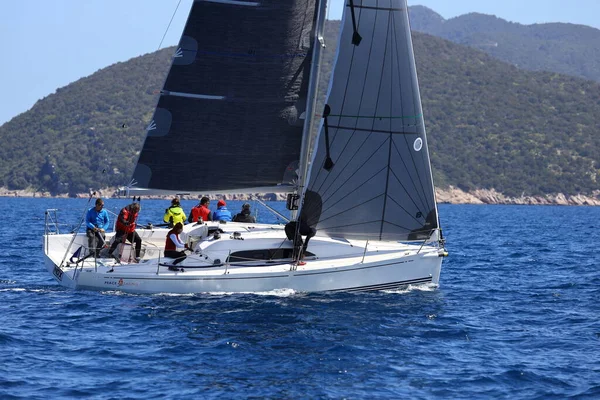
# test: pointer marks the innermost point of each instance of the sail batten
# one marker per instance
(192, 95)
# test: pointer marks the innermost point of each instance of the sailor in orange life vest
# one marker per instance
(173, 244)
(126, 230)
(201, 212)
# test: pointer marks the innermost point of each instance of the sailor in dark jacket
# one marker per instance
(303, 229)
(245, 215)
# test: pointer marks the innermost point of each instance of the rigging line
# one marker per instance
(169, 26)
(350, 209)
(377, 8)
(335, 134)
(348, 128)
(351, 65)
(347, 225)
(408, 193)
(424, 204)
(363, 234)
(328, 164)
(302, 69)
(256, 57)
(426, 164)
(426, 167)
(417, 106)
(350, 158)
(160, 45)
(355, 35)
(344, 100)
(406, 211)
(419, 208)
(423, 229)
(394, 25)
(326, 195)
(376, 116)
(424, 191)
(382, 220)
(407, 229)
(394, 45)
(304, 66)
(352, 191)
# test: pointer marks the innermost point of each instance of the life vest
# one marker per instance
(169, 244)
(200, 211)
(128, 216)
(174, 214)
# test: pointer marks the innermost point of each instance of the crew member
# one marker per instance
(174, 213)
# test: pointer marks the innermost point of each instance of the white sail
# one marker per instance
(379, 185)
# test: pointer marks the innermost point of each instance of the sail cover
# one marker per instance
(230, 115)
(380, 186)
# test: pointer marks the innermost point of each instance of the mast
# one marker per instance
(307, 136)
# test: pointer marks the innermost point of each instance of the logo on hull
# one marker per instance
(57, 272)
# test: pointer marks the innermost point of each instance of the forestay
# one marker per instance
(380, 186)
(230, 115)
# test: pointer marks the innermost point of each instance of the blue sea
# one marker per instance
(516, 315)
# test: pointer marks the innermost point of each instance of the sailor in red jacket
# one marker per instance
(125, 229)
(201, 211)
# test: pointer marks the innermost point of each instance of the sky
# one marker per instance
(47, 44)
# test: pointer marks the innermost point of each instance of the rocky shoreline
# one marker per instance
(450, 195)
(454, 195)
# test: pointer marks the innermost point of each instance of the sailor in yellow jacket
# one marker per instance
(174, 213)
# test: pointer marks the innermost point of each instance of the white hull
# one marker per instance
(336, 265)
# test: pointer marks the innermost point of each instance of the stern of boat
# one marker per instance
(55, 249)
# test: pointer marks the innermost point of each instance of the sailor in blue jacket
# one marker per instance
(96, 224)
(222, 213)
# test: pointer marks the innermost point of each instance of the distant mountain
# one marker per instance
(558, 47)
(490, 125)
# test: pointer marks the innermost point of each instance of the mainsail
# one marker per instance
(380, 185)
(231, 113)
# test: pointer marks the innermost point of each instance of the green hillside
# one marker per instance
(490, 125)
(87, 134)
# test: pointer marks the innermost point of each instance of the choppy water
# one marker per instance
(515, 316)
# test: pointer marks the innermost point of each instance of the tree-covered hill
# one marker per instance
(490, 125)
(558, 47)
(88, 133)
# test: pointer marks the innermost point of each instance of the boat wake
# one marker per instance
(425, 287)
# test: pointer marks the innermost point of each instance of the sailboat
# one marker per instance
(239, 113)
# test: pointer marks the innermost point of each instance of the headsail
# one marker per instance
(230, 115)
(380, 186)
